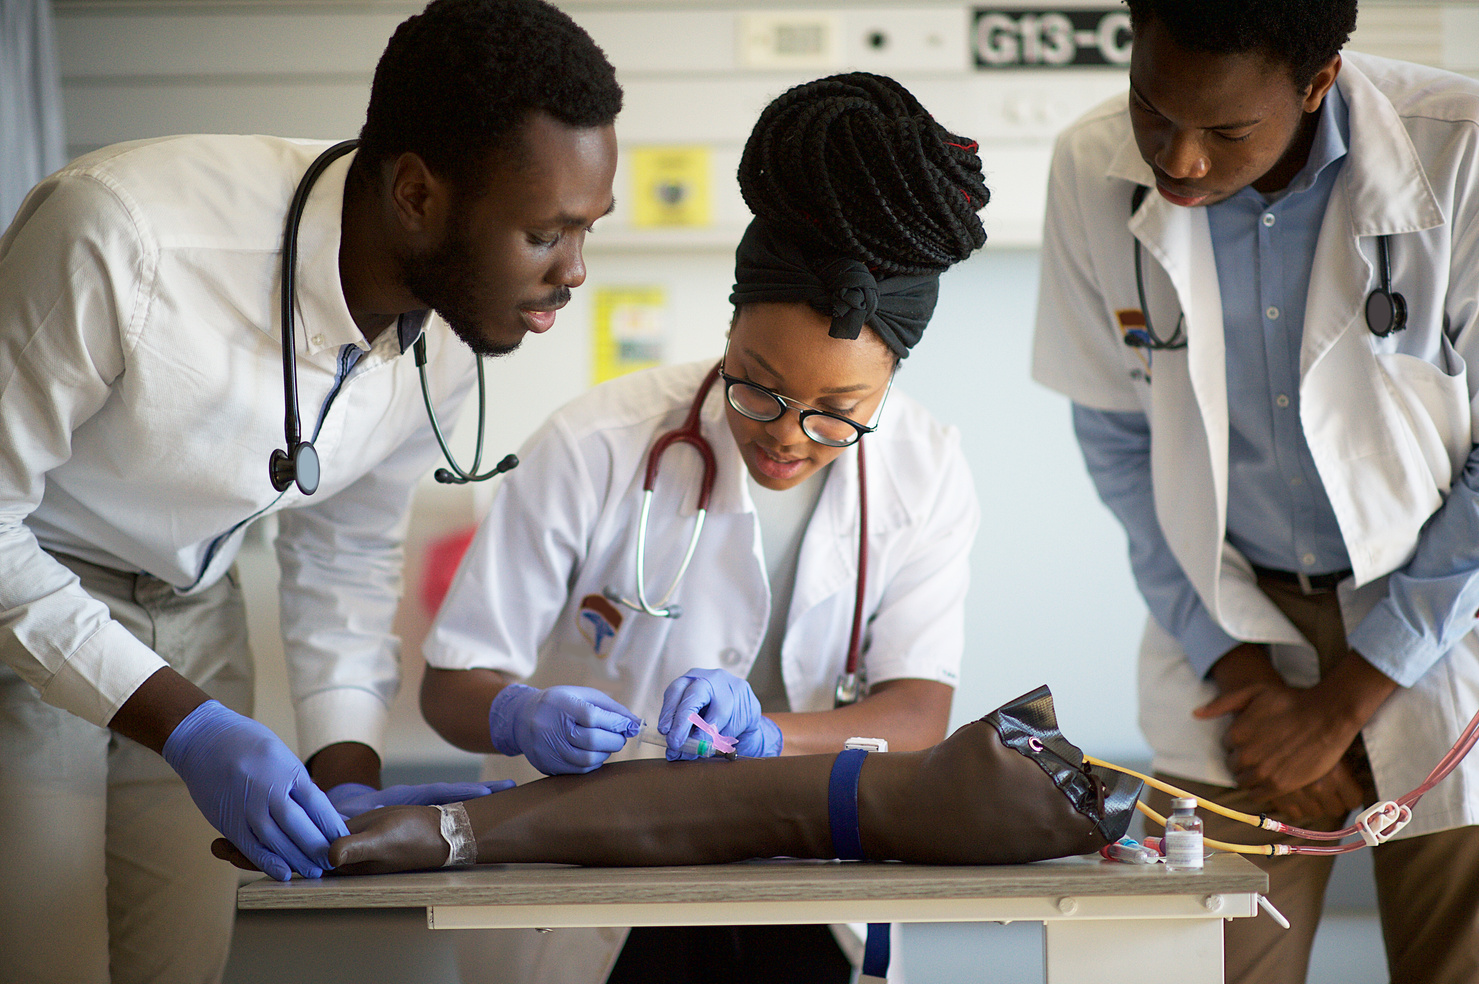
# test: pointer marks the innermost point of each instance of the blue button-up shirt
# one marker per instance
(1278, 514)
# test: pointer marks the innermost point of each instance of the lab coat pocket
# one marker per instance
(1169, 690)
(1434, 400)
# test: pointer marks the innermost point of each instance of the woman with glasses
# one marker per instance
(551, 647)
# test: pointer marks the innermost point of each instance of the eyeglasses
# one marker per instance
(829, 429)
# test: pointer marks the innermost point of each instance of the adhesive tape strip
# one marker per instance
(457, 832)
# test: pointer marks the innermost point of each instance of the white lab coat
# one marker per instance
(1389, 421)
(563, 526)
(140, 398)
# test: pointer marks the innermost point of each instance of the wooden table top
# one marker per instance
(776, 880)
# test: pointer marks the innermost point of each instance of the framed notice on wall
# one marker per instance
(1082, 37)
(630, 330)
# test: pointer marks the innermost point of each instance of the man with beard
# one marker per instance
(140, 399)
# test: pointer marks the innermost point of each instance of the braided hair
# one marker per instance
(854, 165)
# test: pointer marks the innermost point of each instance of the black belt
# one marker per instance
(1308, 583)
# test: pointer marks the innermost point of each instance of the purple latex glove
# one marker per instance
(561, 729)
(726, 702)
(254, 791)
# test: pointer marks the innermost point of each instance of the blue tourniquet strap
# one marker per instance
(847, 842)
(842, 804)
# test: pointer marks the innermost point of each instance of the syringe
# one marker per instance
(698, 743)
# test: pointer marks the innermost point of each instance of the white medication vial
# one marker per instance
(1183, 842)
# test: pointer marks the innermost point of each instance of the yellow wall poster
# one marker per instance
(630, 330)
(671, 187)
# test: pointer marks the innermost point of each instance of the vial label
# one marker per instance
(1183, 849)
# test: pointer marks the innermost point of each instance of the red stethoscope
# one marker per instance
(852, 684)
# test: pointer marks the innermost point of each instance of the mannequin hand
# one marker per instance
(255, 791)
(561, 729)
(726, 702)
(353, 798)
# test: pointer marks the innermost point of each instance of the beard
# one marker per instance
(443, 278)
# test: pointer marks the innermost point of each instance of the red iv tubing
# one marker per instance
(1374, 825)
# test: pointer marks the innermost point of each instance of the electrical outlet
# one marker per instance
(903, 40)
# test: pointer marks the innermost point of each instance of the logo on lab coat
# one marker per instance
(598, 620)
(1132, 324)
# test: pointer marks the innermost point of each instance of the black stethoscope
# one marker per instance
(299, 464)
(852, 684)
(1386, 309)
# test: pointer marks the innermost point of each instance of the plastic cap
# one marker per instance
(1184, 803)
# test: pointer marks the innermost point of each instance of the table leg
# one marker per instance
(1133, 951)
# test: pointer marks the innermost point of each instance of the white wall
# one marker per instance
(1051, 598)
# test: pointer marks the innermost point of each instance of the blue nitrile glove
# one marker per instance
(254, 791)
(353, 798)
(561, 729)
(726, 702)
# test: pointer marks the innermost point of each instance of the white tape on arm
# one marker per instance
(457, 832)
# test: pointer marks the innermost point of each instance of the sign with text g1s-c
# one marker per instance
(1042, 38)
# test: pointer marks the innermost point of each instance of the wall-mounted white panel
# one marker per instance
(920, 38)
(1018, 179)
(98, 115)
(232, 42)
(1409, 31)
(799, 40)
(661, 42)
(1015, 107)
(1459, 31)
(894, 40)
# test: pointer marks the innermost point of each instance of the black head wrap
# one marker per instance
(861, 201)
(770, 267)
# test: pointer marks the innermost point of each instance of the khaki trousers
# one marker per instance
(106, 873)
(1427, 887)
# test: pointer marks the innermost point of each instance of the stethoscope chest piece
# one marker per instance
(1386, 312)
(300, 467)
(1386, 309)
(852, 686)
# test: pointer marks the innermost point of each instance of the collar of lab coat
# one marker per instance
(322, 316)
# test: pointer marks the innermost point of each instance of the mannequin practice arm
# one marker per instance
(969, 800)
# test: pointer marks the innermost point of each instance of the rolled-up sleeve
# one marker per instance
(1433, 600)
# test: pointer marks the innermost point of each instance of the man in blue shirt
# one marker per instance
(1293, 462)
